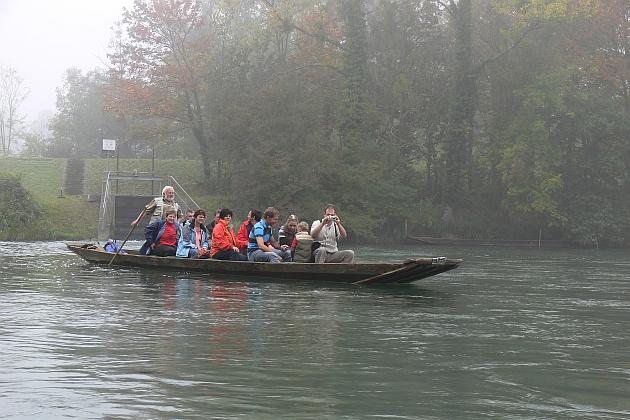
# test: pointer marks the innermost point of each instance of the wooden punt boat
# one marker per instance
(360, 273)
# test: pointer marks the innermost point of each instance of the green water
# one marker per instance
(513, 333)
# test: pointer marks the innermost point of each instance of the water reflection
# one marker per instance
(509, 335)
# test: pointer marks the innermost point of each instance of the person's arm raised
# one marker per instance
(149, 208)
(317, 228)
(342, 230)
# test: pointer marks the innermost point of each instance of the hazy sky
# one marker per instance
(43, 38)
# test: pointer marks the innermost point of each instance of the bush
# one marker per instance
(18, 212)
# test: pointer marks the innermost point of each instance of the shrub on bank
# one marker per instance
(20, 215)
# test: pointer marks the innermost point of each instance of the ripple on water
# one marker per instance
(510, 335)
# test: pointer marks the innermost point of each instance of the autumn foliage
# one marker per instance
(499, 118)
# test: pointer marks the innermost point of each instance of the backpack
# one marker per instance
(112, 246)
(315, 245)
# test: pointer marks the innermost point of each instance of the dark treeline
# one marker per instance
(474, 118)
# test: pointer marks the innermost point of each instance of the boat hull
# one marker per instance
(364, 273)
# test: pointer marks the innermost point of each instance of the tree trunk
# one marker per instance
(353, 124)
(459, 136)
(2, 134)
(204, 151)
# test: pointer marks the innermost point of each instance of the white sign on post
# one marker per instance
(109, 145)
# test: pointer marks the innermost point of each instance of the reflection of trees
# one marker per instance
(270, 323)
(227, 320)
(212, 316)
(159, 342)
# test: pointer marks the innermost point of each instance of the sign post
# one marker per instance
(109, 147)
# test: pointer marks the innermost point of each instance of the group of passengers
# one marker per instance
(169, 233)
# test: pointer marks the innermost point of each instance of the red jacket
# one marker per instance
(223, 238)
(242, 239)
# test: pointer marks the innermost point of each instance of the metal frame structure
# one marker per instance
(109, 191)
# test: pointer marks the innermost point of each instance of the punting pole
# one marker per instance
(125, 241)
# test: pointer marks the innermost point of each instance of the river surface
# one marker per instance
(512, 334)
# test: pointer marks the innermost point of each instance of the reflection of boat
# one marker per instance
(362, 273)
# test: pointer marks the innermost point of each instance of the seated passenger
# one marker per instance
(188, 217)
(327, 232)
(286, 233)
(162, 236)
(214, 222)
(223, 239)
(193, 243)
(262, 246)
(242, 238)
(301, 246)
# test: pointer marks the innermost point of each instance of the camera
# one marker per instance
(334, 218)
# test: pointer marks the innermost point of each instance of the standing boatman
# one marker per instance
(158, 206)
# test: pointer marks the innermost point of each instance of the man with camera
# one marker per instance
(327, 232)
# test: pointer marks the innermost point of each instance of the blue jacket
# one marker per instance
(153, 232)
(188, 240)
(261, 229)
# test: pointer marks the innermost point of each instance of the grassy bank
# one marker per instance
(72, 217)
(65, 217)
(68, 217)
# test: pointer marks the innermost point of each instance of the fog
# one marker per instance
(466, 122)
(43, 38)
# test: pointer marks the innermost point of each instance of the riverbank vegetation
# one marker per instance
(477, 119)
(20, 216)
(36, 209)
(36, 186)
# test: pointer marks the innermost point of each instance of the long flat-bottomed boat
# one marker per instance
(356, 273)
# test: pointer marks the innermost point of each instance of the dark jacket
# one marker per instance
(152, 234)
(285, 236)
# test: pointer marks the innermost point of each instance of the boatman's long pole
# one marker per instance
(133, 226)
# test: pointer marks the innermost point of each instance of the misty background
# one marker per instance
(41, 39)
(471, 118)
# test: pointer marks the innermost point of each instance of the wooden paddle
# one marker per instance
(128, 235)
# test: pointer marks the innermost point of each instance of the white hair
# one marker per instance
(168, 187)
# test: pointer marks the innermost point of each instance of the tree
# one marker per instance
(353, 122)
(458, 141)
(506, 111)
(566, 146)
(469, 63)
(409, 47)
(603, 41)
(158, 69)
(19, 213)
(38, 137)
(12, 94)
(81, 120)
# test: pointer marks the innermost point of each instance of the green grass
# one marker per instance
(66, 218)
(74, 218)
(41, 177)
